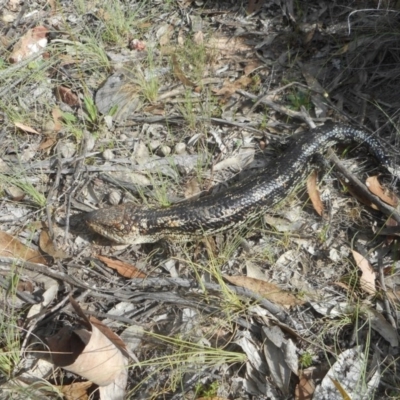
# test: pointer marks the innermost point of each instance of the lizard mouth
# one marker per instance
(106, 221)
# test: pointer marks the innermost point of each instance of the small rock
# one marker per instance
(154, 144)
(334, 255)
(115, 197)
(49, 127)
(108, 119)
(68, 149)
(165, 150)
(28, 154)
(15, 193)
(90, 142)
(108, 155)
(180, 148)
(140, 153)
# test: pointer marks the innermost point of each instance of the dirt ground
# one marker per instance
(160, 102)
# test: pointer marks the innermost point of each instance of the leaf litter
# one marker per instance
(100, 108)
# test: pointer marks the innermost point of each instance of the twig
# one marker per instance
(277, 107)
(385, 296)
(162, 282)
(50, 195)
(264, 96)
(353, 181)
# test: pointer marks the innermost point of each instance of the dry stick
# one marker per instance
(45, 270)
(155, 282)
(260, 99)
(278, 312)
(50, 195)
(238, 125)
(277, 107)
(385, 296)
(362, 189)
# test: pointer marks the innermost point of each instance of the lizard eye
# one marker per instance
(119, 227)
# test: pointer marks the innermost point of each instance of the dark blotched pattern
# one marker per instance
(240, 203)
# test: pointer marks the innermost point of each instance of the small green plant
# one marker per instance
(256, 83)
(186, 356)
(161, 189)
(188, 111)
(69, 118)
(23, 184)
(305, 360)
(148, 80)
(298, 99)
(149, 86)
(71, 126)
(206, 390)
(264, 121)
(9, 333)
(324, 233)
(91, 109)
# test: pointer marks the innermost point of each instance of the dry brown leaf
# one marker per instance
(192, 188)
(12, 247)
(367, 280)
(57, 118)
(88, 353)
(47, 246)
(265, 289)
(67, 96)
(229, 88)
(251, 66)
(75, 391)
(124, 269)
(25, 128)
(384, 194)
(106, 331)
(305, 388)
(47, 143)
(155, 109)
(32, 42)
(313, 193)
(341, 389)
